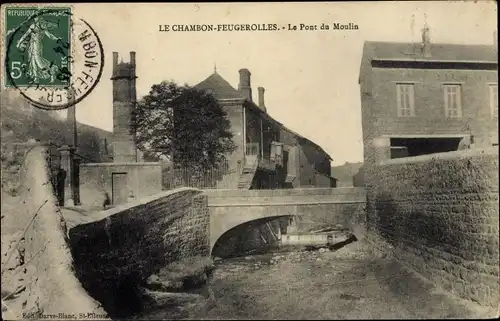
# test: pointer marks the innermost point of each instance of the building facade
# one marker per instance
(424, 98)
(268, 155)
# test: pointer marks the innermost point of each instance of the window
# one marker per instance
(452, 101)
(494, 99)
(405, 99)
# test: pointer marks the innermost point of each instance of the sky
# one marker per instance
(310, 77)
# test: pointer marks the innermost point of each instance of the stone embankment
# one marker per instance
(37, 266)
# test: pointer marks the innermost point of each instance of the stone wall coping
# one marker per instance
(289, 203)
(121, 164)
(141, 201)
(283, 192)
(466, 153)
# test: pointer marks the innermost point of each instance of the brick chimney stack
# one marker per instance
(245, 87)
(426, 42)
(262, 104)
(115, 62)
(132, 58)
(124, 100)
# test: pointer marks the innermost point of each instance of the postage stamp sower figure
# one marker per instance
(39, 44)
(53, 58)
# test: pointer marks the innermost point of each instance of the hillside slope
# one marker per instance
(344, 173)
(19, 123)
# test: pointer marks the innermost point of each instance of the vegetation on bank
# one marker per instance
(178, 291)
(12, 158)
(182, 275)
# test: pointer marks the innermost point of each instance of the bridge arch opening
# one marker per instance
(251, 235)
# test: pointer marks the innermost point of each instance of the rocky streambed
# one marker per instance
(196, 288)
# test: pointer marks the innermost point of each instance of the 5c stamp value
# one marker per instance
(53, 59)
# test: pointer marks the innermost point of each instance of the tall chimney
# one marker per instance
(133, 91)
(115, 62)
(426, 42)
(132, 59)
(262, 104)
(245, 87)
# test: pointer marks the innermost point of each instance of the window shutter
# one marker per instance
(458, 101)
(272, 157)
(398, 94)
(411, 95)
(446, 113)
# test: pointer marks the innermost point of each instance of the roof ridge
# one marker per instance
(439, 51)
(220, 86)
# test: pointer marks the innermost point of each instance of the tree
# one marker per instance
(185, 123)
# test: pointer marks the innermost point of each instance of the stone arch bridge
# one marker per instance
(316, 206)
(135, 239)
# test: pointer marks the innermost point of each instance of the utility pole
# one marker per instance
(71, 118)
(74, 168)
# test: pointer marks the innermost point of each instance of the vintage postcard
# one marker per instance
(319, 160)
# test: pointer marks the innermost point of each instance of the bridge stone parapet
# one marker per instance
(304, 196)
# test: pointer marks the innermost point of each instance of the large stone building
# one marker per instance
(424, 98)
(268, 155)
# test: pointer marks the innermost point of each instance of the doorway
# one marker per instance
(119, 188)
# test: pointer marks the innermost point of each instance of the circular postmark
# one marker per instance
(53, 59)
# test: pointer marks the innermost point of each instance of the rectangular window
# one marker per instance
(452, 101)
(405, 97)
(494, 99)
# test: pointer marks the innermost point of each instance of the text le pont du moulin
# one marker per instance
(258, 27)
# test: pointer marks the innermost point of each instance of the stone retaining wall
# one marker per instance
(440, 214)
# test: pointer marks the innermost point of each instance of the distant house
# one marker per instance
(358, 180)
(268, 154)
(424, 98)
(345, 173)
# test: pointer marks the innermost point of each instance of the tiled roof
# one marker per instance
(439, 51)
(219, 87)
(255, 107)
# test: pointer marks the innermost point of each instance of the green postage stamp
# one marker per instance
(37, 46)
(52, 58)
